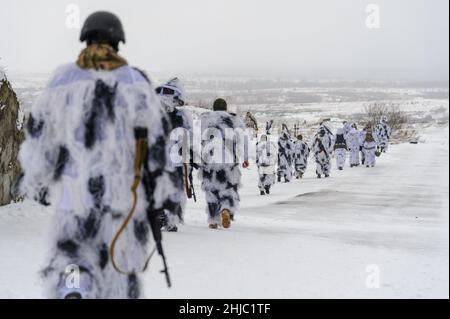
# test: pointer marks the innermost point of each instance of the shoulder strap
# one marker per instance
(143, 73)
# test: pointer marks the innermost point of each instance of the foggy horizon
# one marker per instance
(320, 40)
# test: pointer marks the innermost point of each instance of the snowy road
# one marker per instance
(332, 238)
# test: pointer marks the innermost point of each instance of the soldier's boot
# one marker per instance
(226, 218)
(172, 228)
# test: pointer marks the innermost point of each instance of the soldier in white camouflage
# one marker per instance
(301, 154)
(266, 160)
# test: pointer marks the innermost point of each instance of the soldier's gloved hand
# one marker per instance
(246, 164)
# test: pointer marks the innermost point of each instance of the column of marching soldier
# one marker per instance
(97, 151)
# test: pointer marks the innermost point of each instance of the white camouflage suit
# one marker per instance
(220, 169)
(354, 145)
(362, 137)
(285, 155)
(266, 160)
(172, 96)
(78, 157)
(340, 148)
(322, 147)
(383, 134)
(301, 154)
(369, 147)
(347, 126)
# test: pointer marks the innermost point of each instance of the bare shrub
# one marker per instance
(396, 117)
(10, 138)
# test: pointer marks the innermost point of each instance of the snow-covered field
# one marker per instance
(363, 233)
(310, 239)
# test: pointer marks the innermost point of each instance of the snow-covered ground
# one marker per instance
(312, 238)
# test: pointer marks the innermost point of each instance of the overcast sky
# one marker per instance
(310, 39)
